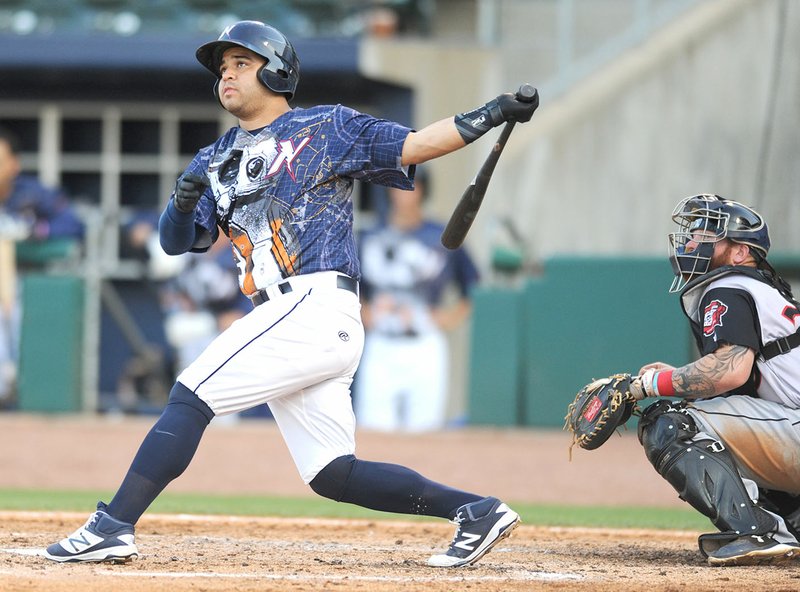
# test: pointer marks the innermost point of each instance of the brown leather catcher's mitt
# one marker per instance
(599, 409)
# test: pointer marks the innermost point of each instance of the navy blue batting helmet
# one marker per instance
(704, 220)
(280, 73)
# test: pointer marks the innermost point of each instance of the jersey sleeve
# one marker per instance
(728, 317)
(370, 149)
(205, 220)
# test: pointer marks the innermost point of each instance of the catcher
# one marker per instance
(724, 430)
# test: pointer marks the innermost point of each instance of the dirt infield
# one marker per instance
(190, 553)
(213, 554)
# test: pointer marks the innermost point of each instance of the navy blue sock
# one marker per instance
(163, 455)
(388, 488)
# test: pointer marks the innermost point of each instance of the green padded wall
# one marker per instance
(495, 354)
(51, 344)
(591, 317)
(583, 318)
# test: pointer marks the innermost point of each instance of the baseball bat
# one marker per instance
(467, 208)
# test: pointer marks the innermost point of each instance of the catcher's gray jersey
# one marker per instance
(760, 423)
(740, 309)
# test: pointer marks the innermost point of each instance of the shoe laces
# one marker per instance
(459, 519)
(92, 519)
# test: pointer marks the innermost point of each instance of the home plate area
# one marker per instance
(214, 553)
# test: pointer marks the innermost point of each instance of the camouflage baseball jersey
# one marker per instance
(283, 193)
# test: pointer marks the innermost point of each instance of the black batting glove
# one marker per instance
(188, 190)
(513, 109)
(507, 107)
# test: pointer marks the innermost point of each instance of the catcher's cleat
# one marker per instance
(102, 538)
(754, 549)
(481, 525)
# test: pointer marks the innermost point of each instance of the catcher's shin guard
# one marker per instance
(701, 470)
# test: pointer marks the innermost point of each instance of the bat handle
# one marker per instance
(526, 93)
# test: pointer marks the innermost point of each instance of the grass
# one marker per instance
(177, 503)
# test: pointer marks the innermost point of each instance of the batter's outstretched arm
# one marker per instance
(450, 134)
(432, 141)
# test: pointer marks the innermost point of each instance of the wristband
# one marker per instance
(662, 384)
(473, 124)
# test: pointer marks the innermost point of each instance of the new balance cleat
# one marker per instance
(481, 525)
(102, 538)
(754, 550)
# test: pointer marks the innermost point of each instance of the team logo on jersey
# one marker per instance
(791, 313)
(712, 317)
(287, 153)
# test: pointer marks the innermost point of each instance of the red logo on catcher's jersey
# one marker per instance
(791, 313)
(712, 317)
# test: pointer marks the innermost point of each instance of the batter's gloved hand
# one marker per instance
(188, 190)
(507, 107)
(513, 108)
(642, 385)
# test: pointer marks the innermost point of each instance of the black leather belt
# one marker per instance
(343, 282)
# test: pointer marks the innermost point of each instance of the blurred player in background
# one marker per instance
(730, 442)
(32, 212)
(279, 185)
(402, 381)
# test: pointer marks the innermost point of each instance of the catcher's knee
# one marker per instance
(701, 469)
(663, 430)
(331, 481)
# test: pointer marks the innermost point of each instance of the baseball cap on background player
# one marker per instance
(280, 73)
(705, 220)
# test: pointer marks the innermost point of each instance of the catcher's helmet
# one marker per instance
(280, 73)
(705, 220)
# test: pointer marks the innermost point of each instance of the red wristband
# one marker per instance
(664, 384)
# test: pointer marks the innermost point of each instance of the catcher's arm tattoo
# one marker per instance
(718, 372)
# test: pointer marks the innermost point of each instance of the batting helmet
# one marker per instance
(280, 73)
(705, 220)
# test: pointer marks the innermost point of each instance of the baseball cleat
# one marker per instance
(102, 538)
(481, 525)
(754, 550)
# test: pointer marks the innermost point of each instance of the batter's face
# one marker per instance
(240, 91)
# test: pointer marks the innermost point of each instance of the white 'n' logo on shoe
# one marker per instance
(469, 538)
(86, 540)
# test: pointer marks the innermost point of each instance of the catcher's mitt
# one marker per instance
(599, 409)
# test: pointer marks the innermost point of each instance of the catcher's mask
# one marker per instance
(280, 73)
(703, 221)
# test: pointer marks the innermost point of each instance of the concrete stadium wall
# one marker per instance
(707, 104)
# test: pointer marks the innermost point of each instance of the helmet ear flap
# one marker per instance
(215, 90)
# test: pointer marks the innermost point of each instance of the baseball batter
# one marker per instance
(279, 185)
(731, 445)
